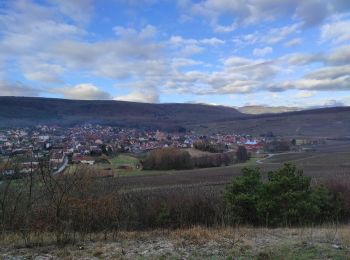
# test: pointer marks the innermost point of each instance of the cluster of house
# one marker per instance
(81, 143)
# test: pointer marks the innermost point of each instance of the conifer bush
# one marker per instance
(286, 198)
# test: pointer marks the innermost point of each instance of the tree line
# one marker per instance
(177, 159)
(206, 146)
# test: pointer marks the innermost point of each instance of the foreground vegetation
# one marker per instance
(324, 242)
(285, 198)
(79, 205)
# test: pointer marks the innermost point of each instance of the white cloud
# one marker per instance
(339, 56)
(36, 70)
(305, 94)
(331, 78)
(146, 32)
(225, 29)
(246, 40)
(212, 41)
(235, 61)
(137, 3)
(190, 50)
(27, 27)
(118, 59)
(185, 47)
(243, 12)
(293, 42)
(336, 31)
(77, 10)
(278, 34)
(140, 96)
(44, 46)
(262, 51)
(300, 59)
(237, 75)
(313, 12)
(43, 42)
(326, 84)
(85, 91)
(270, 37)
(16, 89)
(183, 62)
(28, 32)
(329, 72)
(177, 40)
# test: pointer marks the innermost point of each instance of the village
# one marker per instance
(83, 144)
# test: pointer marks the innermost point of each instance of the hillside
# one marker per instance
(257, 110)
(25, 111)
(323, 122)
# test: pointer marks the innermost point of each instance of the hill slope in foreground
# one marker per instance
(196, 243)
(25, 111)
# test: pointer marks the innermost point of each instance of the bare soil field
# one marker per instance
(330, 242)
(329, 160)
(287, 157)
(214, 176)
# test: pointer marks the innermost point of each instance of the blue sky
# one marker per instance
(225, 52)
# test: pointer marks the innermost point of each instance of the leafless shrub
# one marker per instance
(340, 185)
(80, 204)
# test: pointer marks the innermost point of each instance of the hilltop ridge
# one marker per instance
(30, 111)
(22, 111)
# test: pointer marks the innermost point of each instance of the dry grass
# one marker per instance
(196, 242)
(197, 235)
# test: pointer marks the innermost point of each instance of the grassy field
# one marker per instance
(123, 159)
(111, 168)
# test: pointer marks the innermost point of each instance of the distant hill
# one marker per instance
(24, 111)
(323, 122)
(256, 110)
(27, 111)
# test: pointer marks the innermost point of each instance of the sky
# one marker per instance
(219, 52)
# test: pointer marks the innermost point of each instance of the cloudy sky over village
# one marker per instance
(227, 52)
